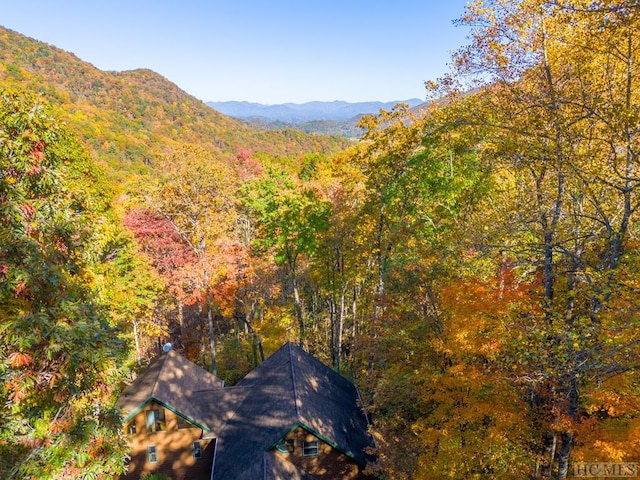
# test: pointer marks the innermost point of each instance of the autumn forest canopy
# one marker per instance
(473, 268)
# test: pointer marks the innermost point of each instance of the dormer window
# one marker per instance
(286, 445)
(310, 448)
(156, 421)
(182, 423)
(196, 448)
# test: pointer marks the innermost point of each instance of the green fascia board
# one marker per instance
(315, 434)
(168, 407)
(137, 410)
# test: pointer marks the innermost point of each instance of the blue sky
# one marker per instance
(269, 51)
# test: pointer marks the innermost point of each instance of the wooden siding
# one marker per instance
(329, 464)
(173, 447)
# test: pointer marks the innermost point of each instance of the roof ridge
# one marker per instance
(293, 381)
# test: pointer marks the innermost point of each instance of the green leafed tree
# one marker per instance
(57, 348)
(289, 219)
(421, 180)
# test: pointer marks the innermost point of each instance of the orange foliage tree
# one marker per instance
(556, 101)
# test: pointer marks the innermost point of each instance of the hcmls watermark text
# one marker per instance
(604, 469)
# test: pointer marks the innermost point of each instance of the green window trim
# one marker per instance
(324, 439)
(286, 445)
(204, 428)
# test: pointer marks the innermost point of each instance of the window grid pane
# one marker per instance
(156, 421)
(152, 454)
(310, 448)
(197, 449)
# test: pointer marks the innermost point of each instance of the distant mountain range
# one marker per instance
(296, 113)
(131, 119)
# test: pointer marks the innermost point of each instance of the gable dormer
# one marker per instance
(291, 417)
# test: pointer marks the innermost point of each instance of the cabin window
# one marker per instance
(196, 447)
(286, 445)
(182, 423)
(152, 454)
(131, 428)
(156, 421)
(310, 448)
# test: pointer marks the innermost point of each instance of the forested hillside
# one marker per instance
(129, 117)
(473, 269)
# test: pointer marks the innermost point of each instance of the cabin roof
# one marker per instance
(289, 390)
(170, 380)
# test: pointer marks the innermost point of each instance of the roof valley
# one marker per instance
(248, 419)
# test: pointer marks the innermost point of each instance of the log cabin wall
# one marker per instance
(174, 447)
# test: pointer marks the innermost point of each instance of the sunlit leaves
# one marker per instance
(48, 306)
(558, 113)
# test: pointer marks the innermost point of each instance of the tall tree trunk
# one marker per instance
(563, 457)
(548, 275)
(314, 309)
(567, 436)
(212, 339)
(354, 313)
(181, 319)
(551, 443)
(332, 330)
(379, 291)
(297, 306)
(256, 341)
(339, 332)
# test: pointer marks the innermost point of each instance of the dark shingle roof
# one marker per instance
(171, 380)
(290, 389)
(218, 406)
(330, 406)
